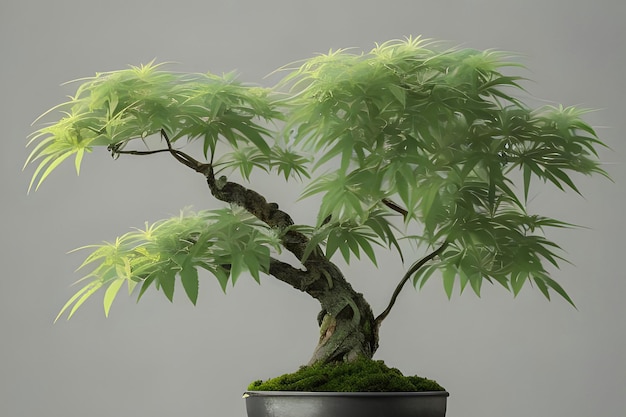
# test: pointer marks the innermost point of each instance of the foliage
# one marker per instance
(363, 375)
(223, 242)
(408, 128)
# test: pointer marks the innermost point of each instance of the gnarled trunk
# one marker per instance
(348, 328)
(347, 333)
(347, 325)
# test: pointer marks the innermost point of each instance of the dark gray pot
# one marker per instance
(345, 404)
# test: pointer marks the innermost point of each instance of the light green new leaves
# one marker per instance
(115, 108)
(223, 242)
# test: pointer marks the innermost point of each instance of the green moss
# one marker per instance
(363, 375)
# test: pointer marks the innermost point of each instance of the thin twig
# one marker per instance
(395, 207)
(412, 270)
(142, 152)
(180, 156)
(183, 158)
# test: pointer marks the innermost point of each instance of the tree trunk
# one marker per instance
(347, 325)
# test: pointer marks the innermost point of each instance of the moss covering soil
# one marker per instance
(362, 375)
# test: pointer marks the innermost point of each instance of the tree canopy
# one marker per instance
(435, 137)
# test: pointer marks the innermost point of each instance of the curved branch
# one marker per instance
(354, 332)
(412, 270)
(230, 192)
(180, 156)
(269, 213)
(116, 152)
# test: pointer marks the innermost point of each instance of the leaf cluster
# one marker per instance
(442, 134)
(116, 108)
(224, 242)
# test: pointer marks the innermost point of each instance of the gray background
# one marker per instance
(498, 356)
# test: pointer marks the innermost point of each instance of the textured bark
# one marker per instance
(347, 325)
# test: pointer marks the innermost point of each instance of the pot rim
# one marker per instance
(345, 394)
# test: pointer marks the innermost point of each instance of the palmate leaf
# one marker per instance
(244, 159)
(350, 241)
(379, 224)
(348, 198)
(289, 163)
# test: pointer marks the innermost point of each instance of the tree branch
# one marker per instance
(295, 277)
(269, 213)
(354, 331)
(412, 270)
(180, 156)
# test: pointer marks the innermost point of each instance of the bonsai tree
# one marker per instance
(406, 143)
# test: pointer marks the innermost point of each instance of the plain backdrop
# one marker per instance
(497, 355)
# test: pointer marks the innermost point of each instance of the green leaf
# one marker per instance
(86, 289)
(110, 294)
(84, 295)
(422, 275)
(463, 280)
(449, 275)
(334, 241)
(517, 281)
(555, 286)
(253, 135)
(78, 159)
(237, 266)
(542, 286)
(565, 178)
(145, 285)
(367, 248)
(166, 281)
(131, 284)
(189, 279)
(252, 264)
(398, 93)
(353, 244)
(378, 223)
(476, 282)
(49, 163)
(316, 239)
(222, 277)
(345, 252)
